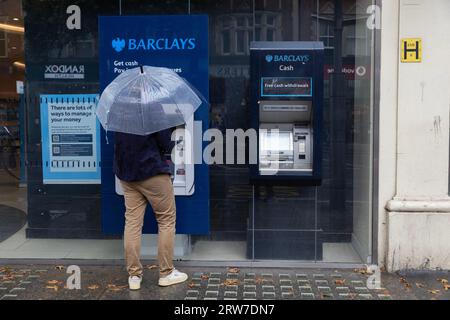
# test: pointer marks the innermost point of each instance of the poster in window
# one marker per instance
(70, 139)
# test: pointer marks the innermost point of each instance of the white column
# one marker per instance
(418, 215)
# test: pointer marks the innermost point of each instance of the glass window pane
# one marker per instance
(258, 34)
(226, 22)
(246, 220)
(270, 35)
(226, 42)
(240, 41)
(258, 18)
(241, 21)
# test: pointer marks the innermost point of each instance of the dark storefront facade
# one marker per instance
(329, 222)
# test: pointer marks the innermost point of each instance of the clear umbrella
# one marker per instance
(147, 99)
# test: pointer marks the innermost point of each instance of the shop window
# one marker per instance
(237, 31)
(266, 27)
(326, 35)
(235, 203)
(236, 34)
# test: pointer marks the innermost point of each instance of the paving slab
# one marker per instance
(50, 282)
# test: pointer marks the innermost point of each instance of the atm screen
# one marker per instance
(277, 146)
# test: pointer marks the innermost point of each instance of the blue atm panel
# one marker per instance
(287, 101)
(179, 42)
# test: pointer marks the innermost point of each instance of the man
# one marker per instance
(144, 174)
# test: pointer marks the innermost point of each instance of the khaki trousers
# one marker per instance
(157, 190)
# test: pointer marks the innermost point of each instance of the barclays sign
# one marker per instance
(152, 44)
(287, 58)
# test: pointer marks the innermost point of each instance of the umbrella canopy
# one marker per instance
(147, 99)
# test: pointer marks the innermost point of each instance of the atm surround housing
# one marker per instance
(279, 227)
(286, 110)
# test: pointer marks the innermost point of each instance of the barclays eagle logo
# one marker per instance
(118, 44)
(269, 58)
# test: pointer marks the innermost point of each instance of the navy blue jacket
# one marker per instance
(137, 158)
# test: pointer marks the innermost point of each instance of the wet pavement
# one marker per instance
(56, 282)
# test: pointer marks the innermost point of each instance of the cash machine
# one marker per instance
(286, 111)
(287, 94)
(182, 161)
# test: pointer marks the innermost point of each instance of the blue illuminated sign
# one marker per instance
(179, 42)
(119, 44)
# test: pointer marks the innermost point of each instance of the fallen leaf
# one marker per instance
(233, 270)
(191, 285)
(230, 282)
(443, 281)
(204, 277)
(60, 268)
(153, 266)
(93, 287)
(5, 270)
(52, 287)
(339, 282)
(446, 286)
(326, 295)
(8, 278)
(51, 282)
(420, 285)
(114, 287)
(405, 283)
(360, 271)
(353, 296)
(434, 291)
(258, 280)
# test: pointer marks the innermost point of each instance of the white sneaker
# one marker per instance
(134, 282)
(172, 278)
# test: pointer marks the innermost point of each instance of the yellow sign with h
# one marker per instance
(411, 50)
